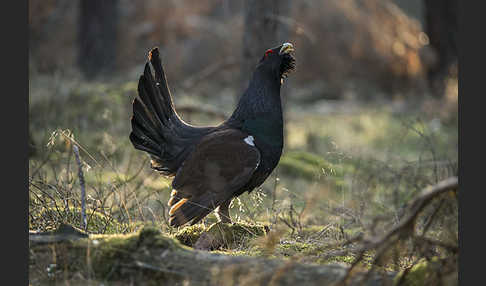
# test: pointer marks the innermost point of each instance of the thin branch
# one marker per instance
(405, 226)
(83, 189)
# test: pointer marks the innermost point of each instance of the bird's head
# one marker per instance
(279, 60)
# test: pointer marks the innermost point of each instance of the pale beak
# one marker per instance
(286, 48)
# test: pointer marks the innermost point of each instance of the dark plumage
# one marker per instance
(212, 165)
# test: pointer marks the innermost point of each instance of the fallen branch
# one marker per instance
(150, 256)
(63, 233)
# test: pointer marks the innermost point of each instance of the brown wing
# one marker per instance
(220, 164)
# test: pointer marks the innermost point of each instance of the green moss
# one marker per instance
(308, 158)
(305, 247)
(284, 249)
(292, 167)
(108, 252)
(236, 234)
(103, 257)
(310, 166)
(347, 259)
(304, 164)
(293, 248)
(224, 235)
(307, 252)
(190, 234)
(335, 255)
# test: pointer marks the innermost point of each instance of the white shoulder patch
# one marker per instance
(249, 140)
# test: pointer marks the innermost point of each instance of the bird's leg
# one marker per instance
(222, 212)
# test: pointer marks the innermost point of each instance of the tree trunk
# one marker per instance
(97, 36)
(442, 29)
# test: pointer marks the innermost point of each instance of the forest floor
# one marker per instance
(348, 173)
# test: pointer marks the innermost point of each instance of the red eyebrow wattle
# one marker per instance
(269, 51)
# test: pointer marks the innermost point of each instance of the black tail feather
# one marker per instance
(160, 109)
(138, 137)
(166, 98)
(141, 145)
(156, 127)
(162, 85)
(146, 98)
(142, 119)
(144, 136)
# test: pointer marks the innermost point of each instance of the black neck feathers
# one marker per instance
(261, 98)
(259, 110)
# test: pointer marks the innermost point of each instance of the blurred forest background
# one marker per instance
(371, 118)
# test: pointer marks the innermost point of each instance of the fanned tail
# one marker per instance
(156, 127)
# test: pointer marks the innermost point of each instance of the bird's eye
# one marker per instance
(269, 51)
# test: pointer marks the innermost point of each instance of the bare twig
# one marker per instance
(83, 189)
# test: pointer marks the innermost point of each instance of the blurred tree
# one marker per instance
(441, 28)
(263, 29)
(97, 36)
